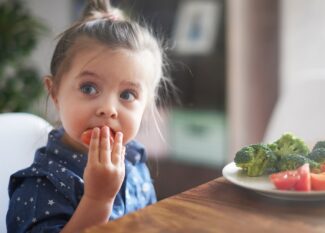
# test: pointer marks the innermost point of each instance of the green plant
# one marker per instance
(20, 84)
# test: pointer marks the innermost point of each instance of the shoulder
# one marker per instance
(135, 152)
(45, 171)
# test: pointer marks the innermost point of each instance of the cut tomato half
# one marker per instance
(285, 180)
(317, 181)
(303, 183)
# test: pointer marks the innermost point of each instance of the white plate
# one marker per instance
(264, 186)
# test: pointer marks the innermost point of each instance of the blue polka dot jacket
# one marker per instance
(45, 195)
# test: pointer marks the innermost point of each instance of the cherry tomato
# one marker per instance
(85, 137)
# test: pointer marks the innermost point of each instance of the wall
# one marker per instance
(56, 15)
(270, 44)
(302, 39)
(252, 68)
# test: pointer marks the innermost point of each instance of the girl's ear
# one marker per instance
(48, 83)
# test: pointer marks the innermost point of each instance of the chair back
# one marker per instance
(20, 135)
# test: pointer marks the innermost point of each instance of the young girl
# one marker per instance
(105, 74)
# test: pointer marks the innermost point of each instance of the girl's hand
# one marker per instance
(104, 172)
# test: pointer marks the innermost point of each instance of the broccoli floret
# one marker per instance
(317, 155)
(292, 162)
(256, 160)
(320, 144)
(288, 144)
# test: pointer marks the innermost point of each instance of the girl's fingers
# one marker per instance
(123, 155)
(105, 147)
(100, 147)
(117, 148)
(93, 154)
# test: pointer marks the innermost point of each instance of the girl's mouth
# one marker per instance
(86, 136)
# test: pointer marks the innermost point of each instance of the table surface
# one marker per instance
(219, 206)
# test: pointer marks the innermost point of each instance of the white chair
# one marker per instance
(20, 135)
(300, 110)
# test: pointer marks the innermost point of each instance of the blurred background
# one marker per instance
(230, 59)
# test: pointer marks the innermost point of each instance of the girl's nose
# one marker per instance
(107, 110)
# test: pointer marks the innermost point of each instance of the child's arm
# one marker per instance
(103, 178)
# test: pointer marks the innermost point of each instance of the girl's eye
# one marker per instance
(88, 89)
(127, 95)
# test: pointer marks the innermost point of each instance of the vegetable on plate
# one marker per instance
(300, 179)
(318, 181)
(256, 160)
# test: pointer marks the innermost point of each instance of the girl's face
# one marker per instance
(103, 87)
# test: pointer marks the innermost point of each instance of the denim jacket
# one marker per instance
(44, 196)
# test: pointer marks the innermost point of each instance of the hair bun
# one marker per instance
(98, 9)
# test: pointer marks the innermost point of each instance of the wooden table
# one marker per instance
(219, 206)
